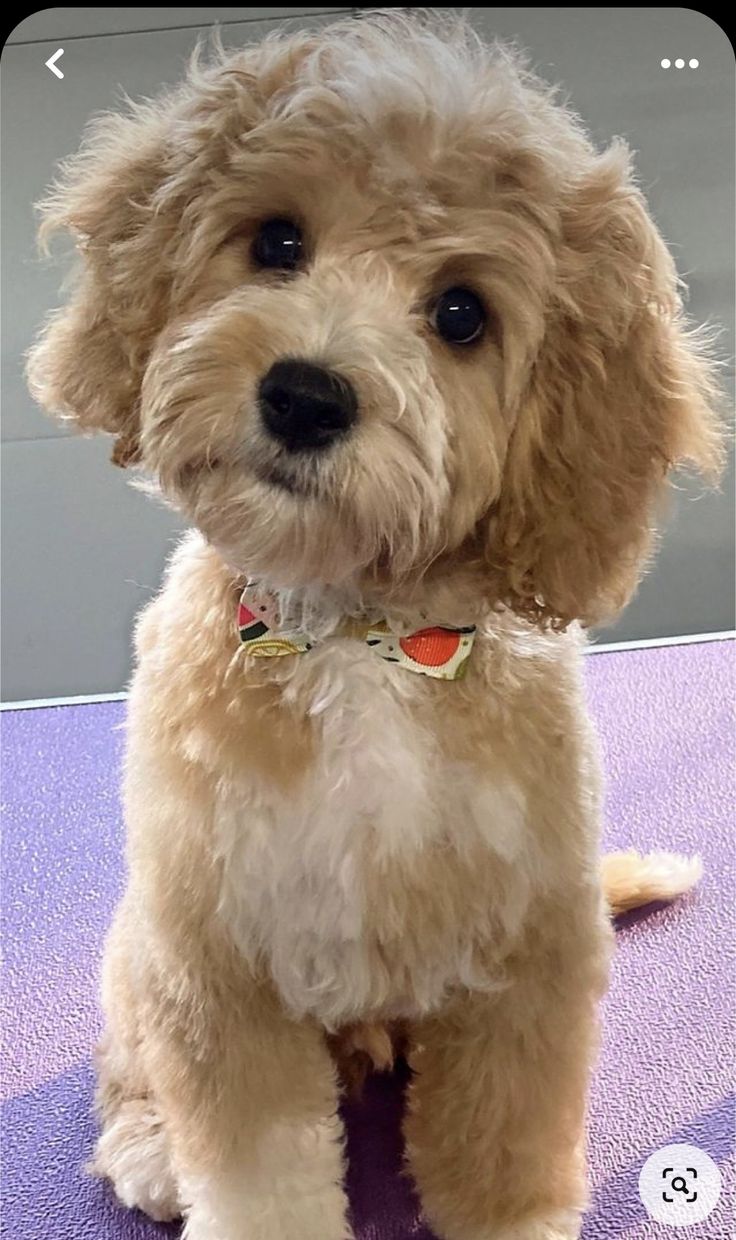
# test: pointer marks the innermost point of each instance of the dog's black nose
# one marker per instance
(306, 407)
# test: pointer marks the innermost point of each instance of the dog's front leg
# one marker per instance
(495, 1122)
(249, 1101)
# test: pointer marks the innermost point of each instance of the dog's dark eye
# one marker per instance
(459, 316)
(278, 244)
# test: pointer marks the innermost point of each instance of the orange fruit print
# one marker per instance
(431, 647)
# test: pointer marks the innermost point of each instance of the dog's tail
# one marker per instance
(631, 880)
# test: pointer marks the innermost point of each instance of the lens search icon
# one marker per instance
(679, 1185)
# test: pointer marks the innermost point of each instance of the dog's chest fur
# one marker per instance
(388, 871)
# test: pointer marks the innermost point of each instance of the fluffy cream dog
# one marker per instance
(406, 349)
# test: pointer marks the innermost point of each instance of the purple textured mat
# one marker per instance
(665, 1067)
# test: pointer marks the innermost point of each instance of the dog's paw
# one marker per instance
(133, 1153)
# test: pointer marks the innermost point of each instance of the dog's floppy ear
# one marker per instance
(88, 361)
(620, 393)
(131, 196)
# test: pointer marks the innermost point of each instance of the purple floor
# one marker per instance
(665, 716)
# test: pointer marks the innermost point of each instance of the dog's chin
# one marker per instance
(271, 523)
(290, 518)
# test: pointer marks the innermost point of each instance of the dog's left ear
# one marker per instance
(620, 393)
(87, 364)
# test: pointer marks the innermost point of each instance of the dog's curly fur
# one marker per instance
(325, 849)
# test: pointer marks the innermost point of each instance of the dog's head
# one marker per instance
(368, 299)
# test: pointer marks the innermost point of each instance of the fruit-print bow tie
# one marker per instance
(441, 651)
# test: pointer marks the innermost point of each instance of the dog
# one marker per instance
(409, 354)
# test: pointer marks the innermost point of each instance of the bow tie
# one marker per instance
(441, 651)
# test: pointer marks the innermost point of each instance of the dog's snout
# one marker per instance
(305, 406)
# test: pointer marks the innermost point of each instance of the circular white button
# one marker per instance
(666, 63)
(679, 63)
(693, 63)
(679, 1185)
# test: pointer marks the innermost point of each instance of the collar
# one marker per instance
(440, 651)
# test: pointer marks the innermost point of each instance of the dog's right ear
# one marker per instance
(88, 362)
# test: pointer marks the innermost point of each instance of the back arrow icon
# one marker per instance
(51, 63)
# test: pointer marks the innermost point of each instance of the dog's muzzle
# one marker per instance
(306, 407)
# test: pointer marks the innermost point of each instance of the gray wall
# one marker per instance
(81, 550)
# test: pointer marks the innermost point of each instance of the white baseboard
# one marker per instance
(647, 643)
(83, 699)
